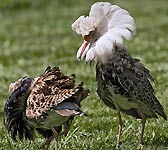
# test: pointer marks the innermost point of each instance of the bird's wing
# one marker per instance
(52, 89)
(135, 79)
(39, 103)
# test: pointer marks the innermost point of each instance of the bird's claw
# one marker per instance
(141, 146)
(118, 146)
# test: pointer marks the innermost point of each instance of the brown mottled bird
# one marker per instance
(46, 104)
(123, 83)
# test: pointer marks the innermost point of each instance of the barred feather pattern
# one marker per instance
(124, 83)
(49, 101)
(49, 91)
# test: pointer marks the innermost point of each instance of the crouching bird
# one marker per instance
(46, 104)
(123, 83)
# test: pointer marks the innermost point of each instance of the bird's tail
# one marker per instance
(14, 112)
(159, 109)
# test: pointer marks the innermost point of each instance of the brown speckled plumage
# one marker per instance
(44, 104)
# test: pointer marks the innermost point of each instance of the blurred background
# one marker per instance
(37, 33)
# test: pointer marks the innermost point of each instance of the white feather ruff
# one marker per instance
(113, 25)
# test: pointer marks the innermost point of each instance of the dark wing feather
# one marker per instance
(138, 86)
(14, 113)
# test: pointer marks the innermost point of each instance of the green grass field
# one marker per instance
(37, 33)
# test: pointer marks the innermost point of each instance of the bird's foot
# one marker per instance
(118, 142)
(118, 146)
(44, 147)
(141, 146)
(46, 144)
(56, 146)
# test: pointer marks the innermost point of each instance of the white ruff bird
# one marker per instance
(45, 104)
(123, 83)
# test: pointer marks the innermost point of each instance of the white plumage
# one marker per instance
(110, 25)
(123, 83)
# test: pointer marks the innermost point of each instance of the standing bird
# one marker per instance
(123, 83)
(45, 104)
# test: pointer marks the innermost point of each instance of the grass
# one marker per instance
(35, 34)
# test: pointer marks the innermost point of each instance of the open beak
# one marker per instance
(83, 50)
(85, 46)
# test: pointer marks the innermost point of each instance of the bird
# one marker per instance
(46, 104)
(123, 82)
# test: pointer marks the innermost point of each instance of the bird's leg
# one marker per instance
(65, 131)
(56, 138)
(46, 144)
(119, 129)
(142, 132)
(66, 127)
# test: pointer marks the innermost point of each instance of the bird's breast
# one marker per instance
(115, 96)
(51, 119)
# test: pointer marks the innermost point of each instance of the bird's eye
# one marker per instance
(89, 36)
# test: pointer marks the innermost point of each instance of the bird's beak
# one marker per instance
(85, 46)
(83, 50)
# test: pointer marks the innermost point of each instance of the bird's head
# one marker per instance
(26, 81)
(106, 25)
